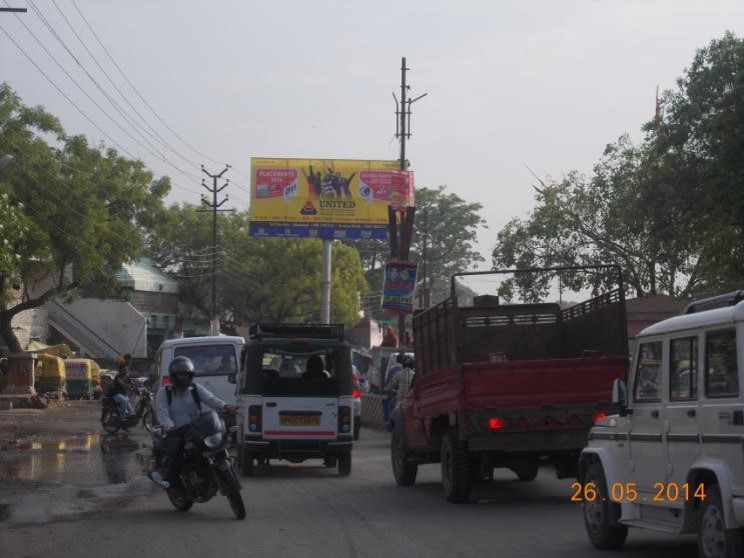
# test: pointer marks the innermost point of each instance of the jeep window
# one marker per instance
(282, 370)
(721, 370)
(648, 372)
(210, 360)
(683, 369)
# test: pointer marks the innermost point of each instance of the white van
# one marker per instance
(215, 361)
(672, 460)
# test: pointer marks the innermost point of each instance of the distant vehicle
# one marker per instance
(672, 459)
(507, 385)
(215, 361)
(295, 396)
(356, 392)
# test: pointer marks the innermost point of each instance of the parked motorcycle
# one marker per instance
(142, 410)
(206, 465)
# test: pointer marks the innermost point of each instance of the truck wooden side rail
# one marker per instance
(507, 385)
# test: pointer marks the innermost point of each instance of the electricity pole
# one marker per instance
(400, 236)
(214, 207)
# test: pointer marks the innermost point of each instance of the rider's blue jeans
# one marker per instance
(123, 402)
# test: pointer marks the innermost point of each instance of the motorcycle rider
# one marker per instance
(120, 390)
(176, 405)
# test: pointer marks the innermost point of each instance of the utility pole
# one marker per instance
(214, 207)
(400, 236)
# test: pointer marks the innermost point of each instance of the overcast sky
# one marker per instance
(543, 83)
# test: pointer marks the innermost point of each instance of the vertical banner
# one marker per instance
(398, 287)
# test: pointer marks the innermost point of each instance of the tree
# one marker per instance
(669, 210)
(259, 279)
(83, 210)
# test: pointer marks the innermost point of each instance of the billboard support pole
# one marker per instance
(325, 283)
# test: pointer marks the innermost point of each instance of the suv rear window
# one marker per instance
(210, 360)
(721, 370)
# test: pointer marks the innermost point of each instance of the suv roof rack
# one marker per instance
(728, 299)
(310, 331)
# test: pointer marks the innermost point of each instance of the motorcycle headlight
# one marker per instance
(213, 441)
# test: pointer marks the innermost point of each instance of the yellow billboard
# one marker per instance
(326, 198)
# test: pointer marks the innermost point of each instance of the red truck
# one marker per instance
(508, 385)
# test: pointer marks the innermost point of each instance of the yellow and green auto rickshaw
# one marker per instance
(83, 377)
(49, 373)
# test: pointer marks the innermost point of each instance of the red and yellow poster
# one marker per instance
(326, 198)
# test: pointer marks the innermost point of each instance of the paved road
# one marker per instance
(307, 510)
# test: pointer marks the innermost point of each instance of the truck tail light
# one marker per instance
(344, 420)
(596, 417)
(495, 423)
(254, 418)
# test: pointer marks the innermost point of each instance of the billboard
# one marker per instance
(326, 198)
(398, 287)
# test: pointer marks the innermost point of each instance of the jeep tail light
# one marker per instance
(344, 420)
(495, 423)
(254, 418)
(356, 393)
(596, 417)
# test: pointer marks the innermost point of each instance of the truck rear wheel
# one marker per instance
(404, 472)
(455, 469)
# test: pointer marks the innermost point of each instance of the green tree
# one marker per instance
(83, 210)
(669, 210)
(259, 279)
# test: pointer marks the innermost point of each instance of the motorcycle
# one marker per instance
(207, 467)
(142, 410)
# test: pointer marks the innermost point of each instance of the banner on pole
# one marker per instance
(398, 287)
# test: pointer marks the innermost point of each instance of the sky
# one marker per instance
(510, 84)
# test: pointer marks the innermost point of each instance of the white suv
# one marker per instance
(673, 459)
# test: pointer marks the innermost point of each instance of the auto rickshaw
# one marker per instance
(49, 373)
(83, 377)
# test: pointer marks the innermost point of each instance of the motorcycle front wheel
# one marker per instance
(232, 491)
(179, 500)
(110, 421)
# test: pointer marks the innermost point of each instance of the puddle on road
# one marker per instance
(84, 461)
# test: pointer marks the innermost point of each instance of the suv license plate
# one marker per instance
(299, 420)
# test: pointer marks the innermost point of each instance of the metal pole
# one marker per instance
(325, 284)
(401, 316)
(214, 207)
(425, 297)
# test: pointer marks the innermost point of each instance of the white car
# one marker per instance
(672, 459)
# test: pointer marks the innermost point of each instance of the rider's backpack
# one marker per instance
(194, 395)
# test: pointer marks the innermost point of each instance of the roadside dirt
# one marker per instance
(57, 464)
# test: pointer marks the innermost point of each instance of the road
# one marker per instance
(307, 510)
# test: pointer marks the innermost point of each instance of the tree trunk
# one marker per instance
(7, 333)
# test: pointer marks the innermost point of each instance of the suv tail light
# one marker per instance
(254, 418)
(344, 420)
(166, 380)
(355, 393)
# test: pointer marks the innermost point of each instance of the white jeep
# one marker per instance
(673, 459)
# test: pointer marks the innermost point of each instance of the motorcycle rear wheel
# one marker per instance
(179, 500)
(110, 421)
(147, 420)
(232, 491)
